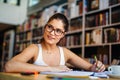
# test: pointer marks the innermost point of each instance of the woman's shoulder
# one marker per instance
(33, 48)
(33, 45)
(66, 50)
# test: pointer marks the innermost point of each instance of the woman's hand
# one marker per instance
(59, 68)
(98, 66)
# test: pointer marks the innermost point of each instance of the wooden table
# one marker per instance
(17, 76)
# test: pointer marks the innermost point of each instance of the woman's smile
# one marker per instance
(50, 37)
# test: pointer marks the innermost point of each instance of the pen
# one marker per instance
(96, 62)
(29, 73)
(95, 58)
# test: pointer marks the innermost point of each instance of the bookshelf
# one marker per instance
(94, 28)
(8, 46)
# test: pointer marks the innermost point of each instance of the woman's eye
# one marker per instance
(58, 31)
(50, 27)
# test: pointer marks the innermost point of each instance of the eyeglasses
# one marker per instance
(57, 32)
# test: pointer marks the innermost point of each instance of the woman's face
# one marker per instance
(54, 31)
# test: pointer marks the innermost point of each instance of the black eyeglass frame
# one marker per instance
(48, 26)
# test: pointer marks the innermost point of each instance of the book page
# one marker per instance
(70, 73)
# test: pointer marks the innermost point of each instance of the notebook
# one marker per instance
(75, 74)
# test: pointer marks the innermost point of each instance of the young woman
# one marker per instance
(47, 55)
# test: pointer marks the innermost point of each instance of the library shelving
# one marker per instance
(94, 28)
(8, 46)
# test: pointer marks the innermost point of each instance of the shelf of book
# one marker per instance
(94, 28)
(8, 46)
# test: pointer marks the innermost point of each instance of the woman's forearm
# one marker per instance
(14, 66)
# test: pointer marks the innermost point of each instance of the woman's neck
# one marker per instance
(48, 47)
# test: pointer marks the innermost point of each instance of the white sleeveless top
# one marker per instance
(39, 60)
